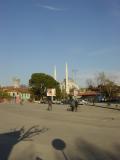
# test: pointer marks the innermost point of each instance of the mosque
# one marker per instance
(67, 84)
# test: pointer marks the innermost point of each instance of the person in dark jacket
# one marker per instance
(76, 105)
(72, 104)
(49, 104)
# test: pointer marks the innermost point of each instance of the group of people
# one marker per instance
(17, 99)
(73, 104)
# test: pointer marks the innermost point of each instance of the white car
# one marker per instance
(56, 102)
(36, 101)
(82, 102)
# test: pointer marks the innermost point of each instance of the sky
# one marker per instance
(36, 35)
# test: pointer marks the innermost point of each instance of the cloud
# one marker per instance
(51, 8)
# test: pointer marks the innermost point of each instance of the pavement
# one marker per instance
(31, 132)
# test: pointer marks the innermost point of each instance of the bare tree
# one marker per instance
(90, 84)
(106, 86)
(101, 79)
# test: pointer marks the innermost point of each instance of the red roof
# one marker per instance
(88, 93)
(12, 89)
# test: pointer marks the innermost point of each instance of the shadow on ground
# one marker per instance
(84, 151)
(60, 145)
(10, 139)
(116, 107)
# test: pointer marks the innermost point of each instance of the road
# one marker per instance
(31, 132)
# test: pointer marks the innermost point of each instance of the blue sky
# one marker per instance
(35, 35)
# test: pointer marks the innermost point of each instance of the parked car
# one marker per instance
(82, 102)
(66, 101)
(36, 101)
(56, 102)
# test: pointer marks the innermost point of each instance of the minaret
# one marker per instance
(66, 80)
(55, 73)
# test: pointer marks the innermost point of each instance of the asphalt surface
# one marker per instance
(31, 132)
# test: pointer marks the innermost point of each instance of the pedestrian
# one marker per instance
(72, 105)
(14, 98)
(76, 105)
(17, 98)
(49, 104)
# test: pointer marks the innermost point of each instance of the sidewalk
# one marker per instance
(111, 106)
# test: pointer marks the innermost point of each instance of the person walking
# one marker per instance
(17, 98)
(49, 104)
(76, 105)
(72, 105)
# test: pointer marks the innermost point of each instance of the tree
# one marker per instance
(101, 79)
(4, 95)
(90, 84)
(40, 82)
(106, 86)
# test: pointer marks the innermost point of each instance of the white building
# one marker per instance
(67, 83)
(71, 85)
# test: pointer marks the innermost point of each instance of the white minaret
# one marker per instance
(66, 79)
(55, 73)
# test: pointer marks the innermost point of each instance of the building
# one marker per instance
(71, 85)
(68, 84)
(23, 92)
(16, 82)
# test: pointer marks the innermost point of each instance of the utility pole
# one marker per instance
(55, 73)
(66, 79)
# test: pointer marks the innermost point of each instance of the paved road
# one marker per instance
(30, 132)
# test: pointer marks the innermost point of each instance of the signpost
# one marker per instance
(51, 92)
